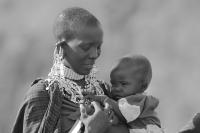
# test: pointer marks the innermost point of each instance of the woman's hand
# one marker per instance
(99, 121)
(103, 100)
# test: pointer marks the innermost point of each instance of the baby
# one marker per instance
(130, 78)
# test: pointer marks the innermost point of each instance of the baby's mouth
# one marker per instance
(116, 96)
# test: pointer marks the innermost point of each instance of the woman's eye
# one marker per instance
(85, 47)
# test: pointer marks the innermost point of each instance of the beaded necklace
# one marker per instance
(66, 78)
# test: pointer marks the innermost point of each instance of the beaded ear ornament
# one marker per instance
(66, 77)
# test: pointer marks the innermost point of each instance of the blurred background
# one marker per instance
(166, 31)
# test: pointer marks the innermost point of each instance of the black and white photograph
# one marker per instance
(99, 66)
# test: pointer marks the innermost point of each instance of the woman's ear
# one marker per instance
(61, 43)
(61, 48)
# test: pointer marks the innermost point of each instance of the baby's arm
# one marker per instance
(140, 126)
(115, 107)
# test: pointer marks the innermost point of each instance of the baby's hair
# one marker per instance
(70, 20)
(145, 67)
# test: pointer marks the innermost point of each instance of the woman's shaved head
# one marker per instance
(71, 21)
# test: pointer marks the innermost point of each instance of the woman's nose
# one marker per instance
(94, 53)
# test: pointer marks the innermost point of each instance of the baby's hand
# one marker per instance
(104, 100)
(89, 109)
(114, 119)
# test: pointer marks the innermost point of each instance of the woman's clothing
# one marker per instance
(40, 111)
(52, 105)
(47, 111)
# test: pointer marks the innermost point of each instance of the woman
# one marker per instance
(52, 104)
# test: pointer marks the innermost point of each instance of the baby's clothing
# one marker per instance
(139, 112)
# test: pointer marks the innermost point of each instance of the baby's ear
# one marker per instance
(144, 87)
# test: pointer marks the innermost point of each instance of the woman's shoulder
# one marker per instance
(37, 89)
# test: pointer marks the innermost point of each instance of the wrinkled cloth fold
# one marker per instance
(47, 111)
(139, 111)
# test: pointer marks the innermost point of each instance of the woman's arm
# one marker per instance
(118, 129)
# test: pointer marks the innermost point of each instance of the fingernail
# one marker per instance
(82, 108)
(81, 105)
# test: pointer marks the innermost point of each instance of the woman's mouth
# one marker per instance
(90, 66)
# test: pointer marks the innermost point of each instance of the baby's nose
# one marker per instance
(115, 89)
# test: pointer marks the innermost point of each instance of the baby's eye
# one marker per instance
(123, 83)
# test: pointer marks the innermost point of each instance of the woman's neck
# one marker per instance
(81, 81)
(68, 73)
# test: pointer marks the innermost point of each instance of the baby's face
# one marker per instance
(125, 82)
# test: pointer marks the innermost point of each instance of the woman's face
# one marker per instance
(81, 52)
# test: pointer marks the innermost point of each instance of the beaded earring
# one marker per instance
(58, 53)
(57, 60)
